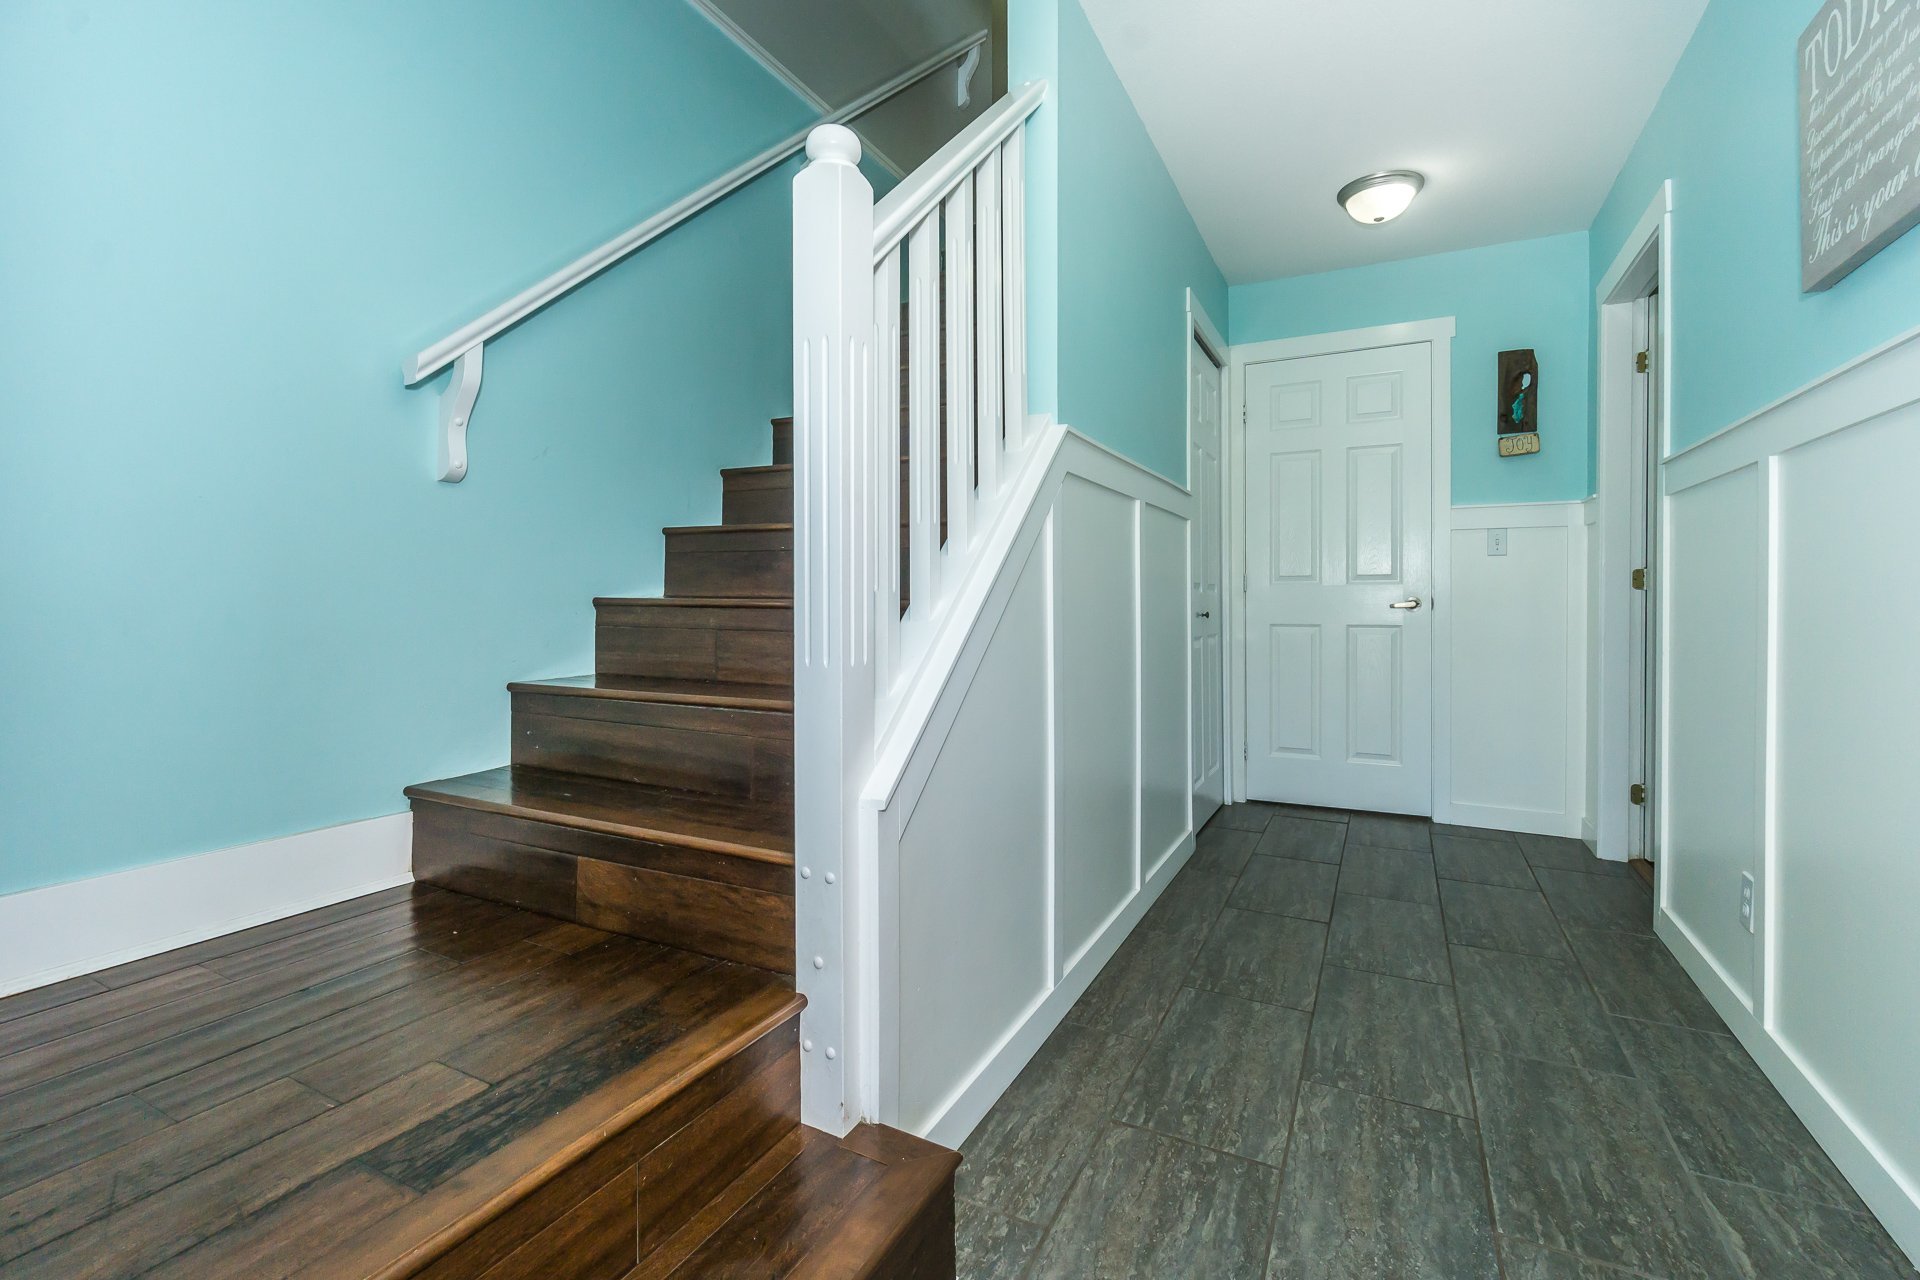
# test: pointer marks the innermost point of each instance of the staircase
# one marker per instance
(655, 799)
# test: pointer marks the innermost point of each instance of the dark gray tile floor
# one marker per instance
(1371, 1048)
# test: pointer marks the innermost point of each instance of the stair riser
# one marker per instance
(757, 499)
(768, 498)
(782, 440)
(726, 907)
(645, 1180)
(742, 755)
(742, 564)
(752, 645)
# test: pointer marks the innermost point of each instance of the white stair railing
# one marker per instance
(875, 584)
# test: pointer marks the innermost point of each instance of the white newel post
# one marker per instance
(834, 444)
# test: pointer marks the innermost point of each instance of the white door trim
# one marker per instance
(1439, 334)
(1200, 325)
(1644, 260)
(1199, 322)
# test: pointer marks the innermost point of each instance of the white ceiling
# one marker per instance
(1519, 112)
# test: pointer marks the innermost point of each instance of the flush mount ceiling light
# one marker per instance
(1381, 197)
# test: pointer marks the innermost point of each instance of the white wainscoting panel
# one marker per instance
(1518, 670)
(50, 934)
(1846, 863)
(975, 872)
(1096, 712)
(1789, 696)
(1046, 804)
(1166, 793)
(1711, 760)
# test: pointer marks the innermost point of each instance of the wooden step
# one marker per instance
(700, 873)
(695, 639)
(877, 1203)
(757, 495)
(732, 741)
(766, 493)
(674, 1099)
(523, 1097)
(744, 695)
(783, 440)
(731, 561)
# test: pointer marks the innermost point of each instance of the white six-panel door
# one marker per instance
(1208, 665)
(1339, 577)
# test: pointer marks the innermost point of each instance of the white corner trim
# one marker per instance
(1645, 259)
(1651, 224)
(1198, 321)
(63, 930)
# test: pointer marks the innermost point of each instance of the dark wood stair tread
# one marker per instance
(507, 1202)
(877, 1203)
(691, 602)
(730, 528)
(694, 693)
(432, 1082)
(712, 823)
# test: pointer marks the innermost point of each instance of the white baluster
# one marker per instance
(990, 403)
(959, 371)
(886, 461)
(1013, 253)
(923, 416)
(833, 329)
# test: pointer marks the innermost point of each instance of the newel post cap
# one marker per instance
(834, 142)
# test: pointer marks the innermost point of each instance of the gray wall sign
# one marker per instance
(1859, 134)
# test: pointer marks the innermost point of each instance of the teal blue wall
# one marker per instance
(1726, 130)
(1114, 252)
(1033, 53)
(237, 605)
(1530, 294)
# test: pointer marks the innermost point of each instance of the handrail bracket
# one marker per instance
(456, 411)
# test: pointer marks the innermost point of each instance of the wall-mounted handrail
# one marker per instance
(463, 347)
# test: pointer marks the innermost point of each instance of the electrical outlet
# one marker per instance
(1746, 901)
(1496, 542)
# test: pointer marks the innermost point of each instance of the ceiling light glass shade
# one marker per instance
(1381, 197)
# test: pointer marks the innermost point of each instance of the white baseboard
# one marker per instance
(59, 932)
(1588, 834)
(1856, 1155)
(972, 1103)
(1531, 822)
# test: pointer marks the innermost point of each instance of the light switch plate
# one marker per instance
(1496, 542)
(1746, 901)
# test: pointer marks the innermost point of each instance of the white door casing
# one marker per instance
(1337, 484)
(1207, 661)
(1643, 539)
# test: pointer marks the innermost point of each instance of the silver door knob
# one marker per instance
(1405, 604)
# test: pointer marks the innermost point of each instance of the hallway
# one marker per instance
(1373, 1048)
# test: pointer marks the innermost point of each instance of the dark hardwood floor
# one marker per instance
(570, 1049)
